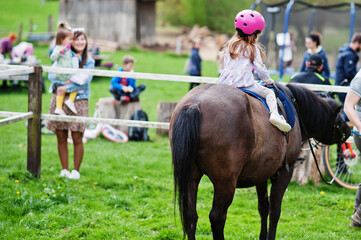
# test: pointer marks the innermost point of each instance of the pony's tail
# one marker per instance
(184, 152)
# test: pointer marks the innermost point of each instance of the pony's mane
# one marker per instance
(314, 112)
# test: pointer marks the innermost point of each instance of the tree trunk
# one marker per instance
(165, 110)
(108, 109)
(306, 169)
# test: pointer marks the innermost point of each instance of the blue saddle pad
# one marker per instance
(290, 114)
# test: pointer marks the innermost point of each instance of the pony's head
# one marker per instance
(319, 118)
(339, 130)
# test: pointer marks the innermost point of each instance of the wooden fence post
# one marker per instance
(20, 33)
(34, 124)
(50, 23)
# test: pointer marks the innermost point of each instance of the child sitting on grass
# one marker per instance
(124, 89)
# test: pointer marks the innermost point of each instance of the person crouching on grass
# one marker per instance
(124, 89)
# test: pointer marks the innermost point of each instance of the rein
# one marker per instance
(318, 168)
(309, 142)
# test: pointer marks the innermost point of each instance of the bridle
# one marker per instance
(336, 127)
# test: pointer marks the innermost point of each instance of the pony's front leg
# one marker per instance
(279, 186)
(263, 208)
(222, 199)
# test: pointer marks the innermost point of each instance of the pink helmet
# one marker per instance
(249, 21)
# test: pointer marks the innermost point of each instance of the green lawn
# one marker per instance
(16, 12)
(126, 190)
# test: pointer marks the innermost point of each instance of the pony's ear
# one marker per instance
(337, 110)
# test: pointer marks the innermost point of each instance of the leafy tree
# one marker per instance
(217, 15)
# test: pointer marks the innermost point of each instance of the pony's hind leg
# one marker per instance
(192, 215)
(263, 208)
(222, 199)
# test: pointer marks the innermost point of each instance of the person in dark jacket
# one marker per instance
(346, 63)
(312, 73)
(313, 45)
(196, 62)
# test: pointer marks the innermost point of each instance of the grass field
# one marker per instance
(126, 190)
(16, 12)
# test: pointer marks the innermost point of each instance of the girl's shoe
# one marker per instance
(64, 173)
(278, 121)
(71, 106)
(59, 112)
(74, 174)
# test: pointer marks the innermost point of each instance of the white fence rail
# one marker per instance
(34, 115)
(12, 117)
(155, 76)
(15, 118)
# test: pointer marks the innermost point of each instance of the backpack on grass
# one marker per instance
(138, 133)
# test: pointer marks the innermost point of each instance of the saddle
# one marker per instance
(282, 98)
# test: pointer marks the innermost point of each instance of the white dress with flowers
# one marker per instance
(238, 71)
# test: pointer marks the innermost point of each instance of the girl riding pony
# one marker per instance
(242, 54)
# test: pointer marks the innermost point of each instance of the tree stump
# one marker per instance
(108, 109)
(165, 110)
(306, 170)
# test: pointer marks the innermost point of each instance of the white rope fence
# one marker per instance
(9, 70)
(111, 121)
(155, 76)
(14, 117)
(11, 117)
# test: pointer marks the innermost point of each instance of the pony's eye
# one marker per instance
(245, 24)
(241, 15)
(252, 15)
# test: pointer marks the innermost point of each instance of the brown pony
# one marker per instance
(219, 131)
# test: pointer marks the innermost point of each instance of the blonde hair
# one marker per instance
(63, 31)
(238, 45)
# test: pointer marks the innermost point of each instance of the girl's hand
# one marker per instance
(77, 55)
(67, 82)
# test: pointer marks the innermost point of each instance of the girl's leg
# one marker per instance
(72, 96)
(78, 149)
(270, 97)
(59, 101)
(62, 136)
(271, 100)
(60, 94)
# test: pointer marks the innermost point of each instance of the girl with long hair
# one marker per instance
(242, 55)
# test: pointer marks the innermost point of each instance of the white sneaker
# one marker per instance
(64, 173)
(278, 121)
(74, 174)
(71, 106)
(59, 112)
